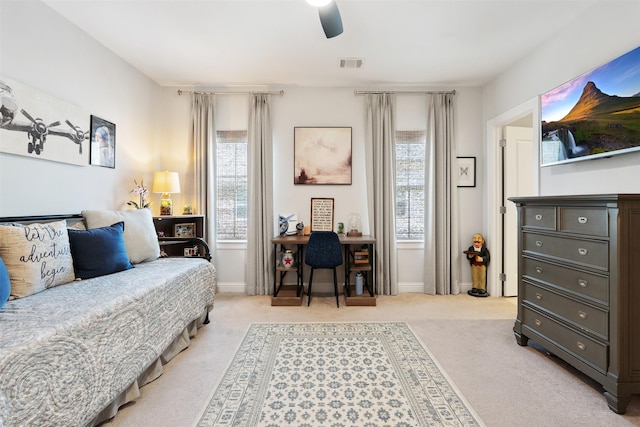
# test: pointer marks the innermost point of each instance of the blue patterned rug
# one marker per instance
(335, 375)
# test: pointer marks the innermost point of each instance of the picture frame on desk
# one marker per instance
(185, 230)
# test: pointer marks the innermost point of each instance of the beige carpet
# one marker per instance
(471, 338)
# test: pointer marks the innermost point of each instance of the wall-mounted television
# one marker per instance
(594, 115)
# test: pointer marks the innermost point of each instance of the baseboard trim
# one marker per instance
(406, 287)
(236, 287)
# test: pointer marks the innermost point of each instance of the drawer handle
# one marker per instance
(538, 296)
(539, 270)
(582, 314)
(582, 251)
(538, 322)
(582, 283)
(538, 243)
(583, 219)
(538, 217)
(581, 346)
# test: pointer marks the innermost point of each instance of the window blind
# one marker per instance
(231, 185)
(410, 181)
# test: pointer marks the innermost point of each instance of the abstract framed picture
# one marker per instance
(322, 155)
(593, 115)
(103, 143)
(466, 171)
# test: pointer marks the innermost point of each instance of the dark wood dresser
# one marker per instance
(579, 285)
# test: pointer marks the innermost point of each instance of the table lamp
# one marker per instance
(166, 183)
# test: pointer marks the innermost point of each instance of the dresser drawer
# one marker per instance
(539, 217)
(582, 316)
(588, 285)
(584, 252)
(590, 221)
(584, 348)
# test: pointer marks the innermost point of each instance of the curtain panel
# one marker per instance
(201, 170)
(441, 240)
(380, 172)
(260, 263)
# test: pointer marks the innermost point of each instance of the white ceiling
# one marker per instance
(205, 43)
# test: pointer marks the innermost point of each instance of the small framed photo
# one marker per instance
(466, 171)
(103, 143)
(185, 230)
(191, 251)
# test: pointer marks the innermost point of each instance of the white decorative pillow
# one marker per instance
(140, 238)
(37, 256)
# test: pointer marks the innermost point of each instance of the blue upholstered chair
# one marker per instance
(324, 251)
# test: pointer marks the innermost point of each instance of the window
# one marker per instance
(410, 177)
(231, 185)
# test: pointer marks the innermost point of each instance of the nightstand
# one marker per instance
(181, 235)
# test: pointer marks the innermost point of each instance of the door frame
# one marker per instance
(494, 178)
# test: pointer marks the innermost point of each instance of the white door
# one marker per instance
(519, 164)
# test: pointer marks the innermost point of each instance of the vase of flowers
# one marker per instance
(143, 193)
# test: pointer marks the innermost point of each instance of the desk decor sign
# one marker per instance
(321, 214)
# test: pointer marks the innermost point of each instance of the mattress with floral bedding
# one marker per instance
(71, 355)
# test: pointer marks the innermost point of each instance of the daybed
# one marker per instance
(72, 354)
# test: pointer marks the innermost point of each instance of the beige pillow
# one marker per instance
(140, 238)
(37, 256)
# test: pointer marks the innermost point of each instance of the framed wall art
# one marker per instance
(103, 143)
(466, 171)
(38, 125)
(322, 155)
(321, 214)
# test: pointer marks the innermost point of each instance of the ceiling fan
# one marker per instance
(329, 17)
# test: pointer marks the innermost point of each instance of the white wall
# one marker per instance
(312, 106)
(41, 49)
(604, 32)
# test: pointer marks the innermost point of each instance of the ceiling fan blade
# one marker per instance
(330, 19)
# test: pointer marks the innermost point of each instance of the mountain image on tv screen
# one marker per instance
(594, 115)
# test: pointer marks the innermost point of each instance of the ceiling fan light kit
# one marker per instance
(329, 17)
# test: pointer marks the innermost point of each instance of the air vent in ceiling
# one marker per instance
(351, 63)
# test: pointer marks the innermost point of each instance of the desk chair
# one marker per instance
(324, 251)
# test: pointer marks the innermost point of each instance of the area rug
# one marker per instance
(335, 374)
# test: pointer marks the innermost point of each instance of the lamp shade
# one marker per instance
(166, 182)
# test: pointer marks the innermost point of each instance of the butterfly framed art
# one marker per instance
(466, 171)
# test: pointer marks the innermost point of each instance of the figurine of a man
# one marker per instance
(479, 257)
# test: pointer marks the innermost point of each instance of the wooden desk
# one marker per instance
(350, 266)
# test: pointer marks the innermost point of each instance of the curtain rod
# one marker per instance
(180, 92)
(402, 92)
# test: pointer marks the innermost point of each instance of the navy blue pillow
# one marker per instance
(98, 251)
(5, 283)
